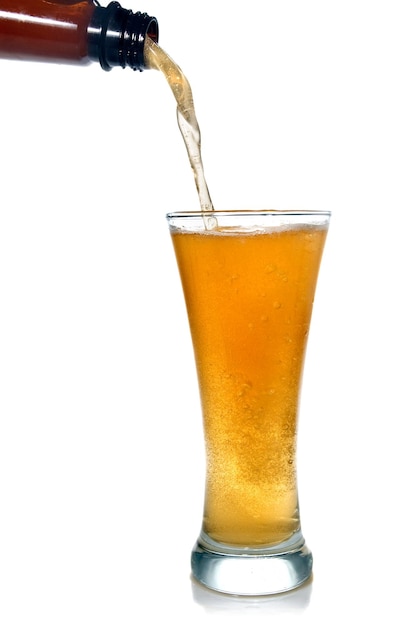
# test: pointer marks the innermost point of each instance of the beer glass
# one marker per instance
(249, 280)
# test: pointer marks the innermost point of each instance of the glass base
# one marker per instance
(250, 572)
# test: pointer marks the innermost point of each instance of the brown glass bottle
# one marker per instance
(74, 31)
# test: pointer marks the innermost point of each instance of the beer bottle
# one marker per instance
(74, 31)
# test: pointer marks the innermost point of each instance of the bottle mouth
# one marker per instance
(116, 36)
(152, 29)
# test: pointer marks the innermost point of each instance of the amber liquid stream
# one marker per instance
(156, 58)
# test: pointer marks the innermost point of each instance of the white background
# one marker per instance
(301, 104)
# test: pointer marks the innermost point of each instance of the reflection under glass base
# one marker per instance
(253, 572)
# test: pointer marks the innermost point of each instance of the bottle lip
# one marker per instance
(116, 36)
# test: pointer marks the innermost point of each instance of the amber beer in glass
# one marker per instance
(249, 280)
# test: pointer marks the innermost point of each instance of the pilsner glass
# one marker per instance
(249, 279)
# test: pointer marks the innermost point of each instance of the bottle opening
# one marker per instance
(116, 36)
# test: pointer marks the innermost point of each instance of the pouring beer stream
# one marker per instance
(157, 59)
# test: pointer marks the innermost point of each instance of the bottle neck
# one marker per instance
(116, 36)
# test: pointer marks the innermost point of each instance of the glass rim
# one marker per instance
(249, 212)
